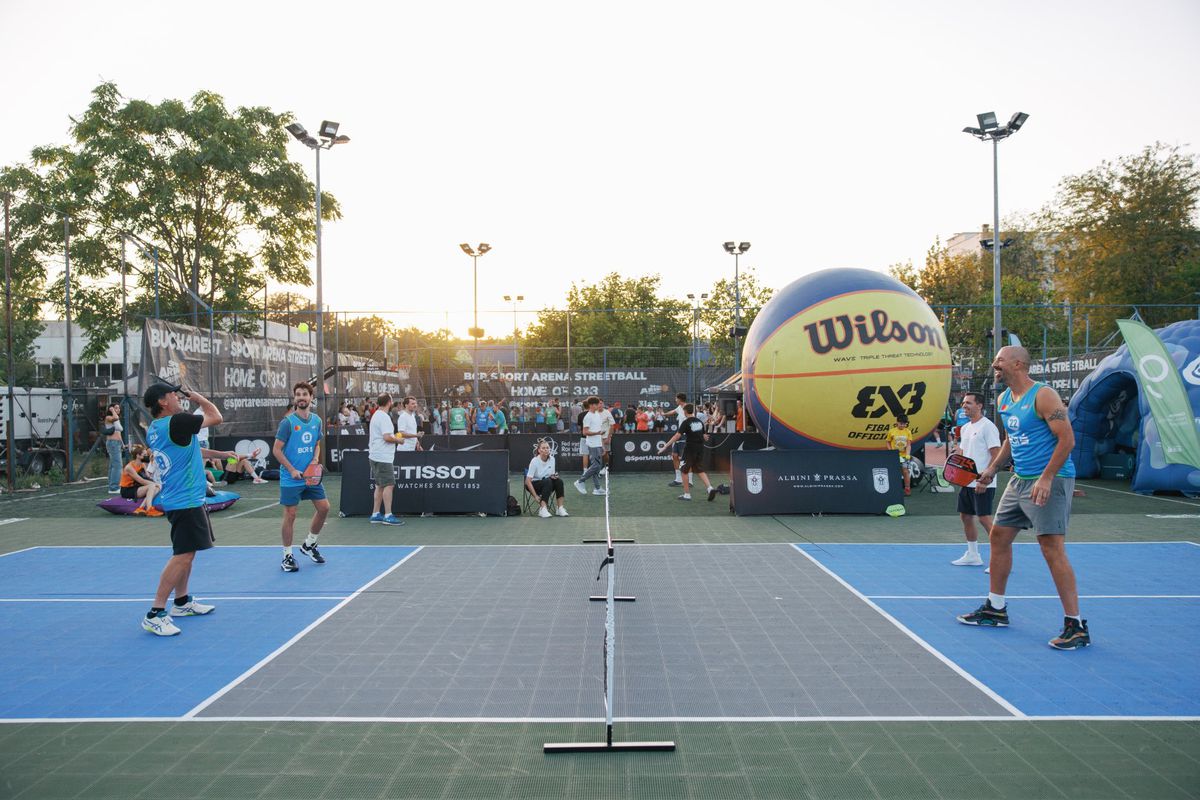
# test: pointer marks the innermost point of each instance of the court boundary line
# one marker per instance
(252, 511)
(300, 635)
(1193, 504)
(151, 599)
(1034, 596)
(48, 496)
(978, 684)
(22, 550)
(580, 720)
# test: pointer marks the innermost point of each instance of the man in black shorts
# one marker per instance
(172, 439)
(692, 463)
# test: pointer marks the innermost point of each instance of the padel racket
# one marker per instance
(312, 475)
(960, 470)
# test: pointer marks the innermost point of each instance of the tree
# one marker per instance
(213, 192)
(27, 283)
(1125, 233)
(621, 322)
(719, 313)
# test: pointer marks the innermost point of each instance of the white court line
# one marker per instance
(1035, 597)
(11, 520)
(1135, 494)
(928, 647)
(151, 599)
(22, 550)
(229, 686)
(251, 511)
(48, 496)
(570, 720)
(959, 543)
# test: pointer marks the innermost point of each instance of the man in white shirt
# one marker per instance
(406, 425)
(677, 448)
(381, 450)
(608, 424)
(980, 442)
(593, 432)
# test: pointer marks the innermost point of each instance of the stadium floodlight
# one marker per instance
(329, 137)
(736, 252)
(729, 247)
(990, 131)
(466, 248)
(476, 332)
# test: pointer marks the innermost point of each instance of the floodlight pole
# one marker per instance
(736, 251)
(475, 253)
(8, 428)
(320, 387)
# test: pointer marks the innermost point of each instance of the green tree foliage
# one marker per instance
(959, 289)
(212, 191)
(1125, 233)
(719, 313)
(624, 319)
(27, 285)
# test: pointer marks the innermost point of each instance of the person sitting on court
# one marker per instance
(542, 481)
(136, 483)
(239, 466)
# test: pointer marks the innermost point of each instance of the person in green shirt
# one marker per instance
(501, 420)
(458, 419)
(551, 418)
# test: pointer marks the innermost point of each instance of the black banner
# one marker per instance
(634, 386)
(563, 446)
(250, 379)
(437, 482)
(638, 452)
(815, 481)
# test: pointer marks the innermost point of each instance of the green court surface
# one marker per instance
(717, 755)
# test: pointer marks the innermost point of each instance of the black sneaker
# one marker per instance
(986, 616)
(712, 493)
(313, 553)
(675, 483)
(1074, 636)
(289, 564)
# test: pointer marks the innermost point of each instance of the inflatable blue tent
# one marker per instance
(1110, 414)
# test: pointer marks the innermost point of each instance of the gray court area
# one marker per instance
(508, 632)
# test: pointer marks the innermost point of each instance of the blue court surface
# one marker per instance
(71, 643)
(1141, 600)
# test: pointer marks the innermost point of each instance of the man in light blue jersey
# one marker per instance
(298, 444)
(1038, 496)
(171, 437)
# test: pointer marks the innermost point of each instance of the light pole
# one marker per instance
(736, 251)
(695, 339)
(990, 131)
(327, 137)
(476, 332)
(509, 299)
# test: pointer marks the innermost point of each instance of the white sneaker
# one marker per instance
(191, 609)
(987, 571)
(544, 512)
(580, 487)
(160, 625)
(968, 560)
(604, 470)
(562, 512)
(599, 492)
(685, 496)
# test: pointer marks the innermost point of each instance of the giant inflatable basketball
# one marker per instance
(836, 355)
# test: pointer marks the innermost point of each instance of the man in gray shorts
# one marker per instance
(1038, 496)
(381, 447)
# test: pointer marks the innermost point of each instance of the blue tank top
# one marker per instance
(299, 444)
(1030, 438)
(181, 469)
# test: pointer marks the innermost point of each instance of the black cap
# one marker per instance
(156, 392)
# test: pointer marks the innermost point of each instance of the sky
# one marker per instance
(633, 137)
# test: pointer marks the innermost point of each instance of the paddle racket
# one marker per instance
(960, 470)
(312, 475)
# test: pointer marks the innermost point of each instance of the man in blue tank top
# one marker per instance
(298, 444)
(172, 440)
(1038, 496)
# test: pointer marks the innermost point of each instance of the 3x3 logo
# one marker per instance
(876, 401)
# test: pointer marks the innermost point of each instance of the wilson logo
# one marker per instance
(838, 333)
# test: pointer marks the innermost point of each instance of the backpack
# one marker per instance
(513, 507)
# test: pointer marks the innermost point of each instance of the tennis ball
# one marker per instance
(303, 327)
(835, 356)
(231, 460)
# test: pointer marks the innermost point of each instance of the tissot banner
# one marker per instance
(815, 481)
(438, 482)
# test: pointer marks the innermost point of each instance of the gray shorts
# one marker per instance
(1017, 509)
(383, 473)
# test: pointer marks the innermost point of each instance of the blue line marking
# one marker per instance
(1145, 658)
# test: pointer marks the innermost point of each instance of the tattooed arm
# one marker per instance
(1051, 409)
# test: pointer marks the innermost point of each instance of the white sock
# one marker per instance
(973, 548)
(687, 495)
(678, 475)
(1076, 617)
(287, 551)
(997, 601)
(311, 541)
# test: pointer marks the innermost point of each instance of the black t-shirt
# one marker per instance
(582, 414)
(184, 426)
(618, 415)
(692, 430)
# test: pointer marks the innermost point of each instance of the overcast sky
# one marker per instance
(579, 139)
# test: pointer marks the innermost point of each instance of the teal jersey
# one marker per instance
(1030, 438)
(458, 419)
(300, 440)
(501, 422)
(181, 469)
